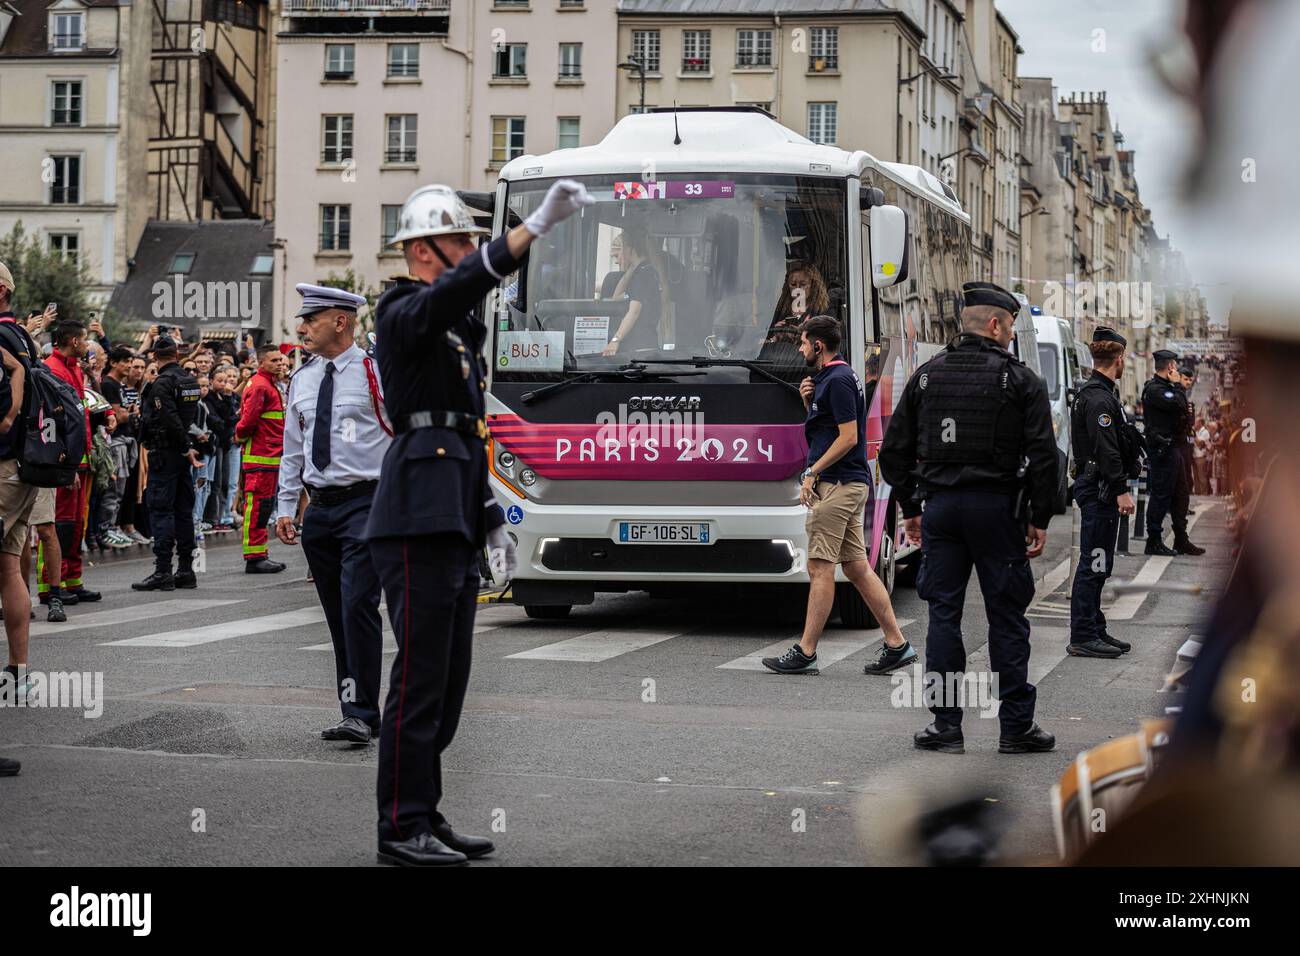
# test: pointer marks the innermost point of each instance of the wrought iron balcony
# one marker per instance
(291, 8)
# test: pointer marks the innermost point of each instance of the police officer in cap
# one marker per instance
(1106, 457)
(434, 511)
(972, 438)
(167, 420)
(1182, 502)
(334, 444)
(1164, 406)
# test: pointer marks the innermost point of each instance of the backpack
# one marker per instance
(55, 444)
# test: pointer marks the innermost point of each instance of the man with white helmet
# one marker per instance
(433, 510)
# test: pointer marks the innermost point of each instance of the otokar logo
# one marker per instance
(179, 299)
(76, 909)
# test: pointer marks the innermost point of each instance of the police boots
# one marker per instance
(1185, 546)
(1155, 545)
(158, 581)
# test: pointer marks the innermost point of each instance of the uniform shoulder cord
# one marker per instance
(375, 399)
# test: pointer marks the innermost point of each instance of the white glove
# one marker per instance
(502, 559)
(563, 199)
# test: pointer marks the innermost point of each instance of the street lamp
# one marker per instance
(634, 63)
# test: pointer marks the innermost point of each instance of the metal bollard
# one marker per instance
(1121, 542)
(1140, 518)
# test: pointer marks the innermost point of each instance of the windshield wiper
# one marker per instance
(632, 372)
(701, 361)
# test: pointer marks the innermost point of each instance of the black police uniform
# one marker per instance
(431, 515)
(1097, 423)
(1164, 407)
(1181, 503)
(996, 413)
(167, 414)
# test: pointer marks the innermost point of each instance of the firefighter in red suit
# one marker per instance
(71, 502)
(261, 429)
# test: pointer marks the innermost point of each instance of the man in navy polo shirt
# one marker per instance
(835, 488)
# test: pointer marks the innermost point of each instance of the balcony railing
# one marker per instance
(291, 7)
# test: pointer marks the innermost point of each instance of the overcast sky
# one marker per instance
(1058, 37)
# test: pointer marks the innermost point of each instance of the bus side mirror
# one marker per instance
(889, 246)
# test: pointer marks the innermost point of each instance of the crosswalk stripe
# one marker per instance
(189, 637)
(125, 615)
(597, 646)
(1049, 644)
(832, 648)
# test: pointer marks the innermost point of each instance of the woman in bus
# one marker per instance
(641, 289)
(804, 295)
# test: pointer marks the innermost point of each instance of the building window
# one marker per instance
(389, 217)
(263, 264)
(824, 51)
(570, 61)
(65, 188)
(507, 138)
(695, 51)
(336, 138)
(340, 61)
(400, 147)
(403, 59)
(753, 48)
(335, 228)
(511, 62)
(66, 244)
(645, 49)
(823, 123)
(65, 103)
(182, 263)
(68, 34)
(566, 132)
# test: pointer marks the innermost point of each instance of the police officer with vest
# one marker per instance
(167, 421)
(972, 438)
(334, 444)
(1164, 406)
(1106, 455)
(434, 511)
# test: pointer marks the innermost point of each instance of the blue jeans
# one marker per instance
(203, 476)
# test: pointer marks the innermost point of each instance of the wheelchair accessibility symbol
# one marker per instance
(514, 514)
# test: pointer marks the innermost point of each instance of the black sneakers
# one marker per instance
(1093, 648)
(1035, 740)
(793, 661)
(56, 614)
(262, 566)
(1186, 547)
(1156, 546)
(1124, 646)
(892, 658)
(944, 739)
(82, 595)
(158, 581)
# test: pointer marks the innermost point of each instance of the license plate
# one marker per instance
(659, 532)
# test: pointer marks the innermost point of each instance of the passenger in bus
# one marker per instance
(640, 287)
(804, 295)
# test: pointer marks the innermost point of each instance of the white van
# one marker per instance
(1059, 363)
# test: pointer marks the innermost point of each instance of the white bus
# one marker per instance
(669, 460)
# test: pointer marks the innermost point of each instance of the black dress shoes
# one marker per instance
(1035, 740)
(185, 579)
(423, 850)
(352, 729)
(473, 847)
(158, 581)
(82, 595)
(263, 566)
(1094, 648)
(948, 740)
(1156, 546)
(1186, 547)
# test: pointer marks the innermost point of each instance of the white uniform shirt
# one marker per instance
(357, 441)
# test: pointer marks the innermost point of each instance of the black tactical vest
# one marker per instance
(966, 415)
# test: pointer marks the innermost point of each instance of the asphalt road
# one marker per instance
(635, 732)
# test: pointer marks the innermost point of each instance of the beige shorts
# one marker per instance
(834, 522)
(43, 510)
(16, 500)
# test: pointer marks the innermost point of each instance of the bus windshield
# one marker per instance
(721, 266)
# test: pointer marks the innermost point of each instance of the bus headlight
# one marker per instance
(528, 477)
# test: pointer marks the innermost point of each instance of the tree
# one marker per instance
(349, 281)
(42, 276)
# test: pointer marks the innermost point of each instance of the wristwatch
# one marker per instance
(807, 473)
(613, 340)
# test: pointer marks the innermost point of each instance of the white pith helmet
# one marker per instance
(435, 211)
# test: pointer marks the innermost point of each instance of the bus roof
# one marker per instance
(718, 140)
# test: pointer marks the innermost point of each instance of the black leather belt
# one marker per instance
(337, 494)
(457, 421)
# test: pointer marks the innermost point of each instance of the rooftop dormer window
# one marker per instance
(68, 32)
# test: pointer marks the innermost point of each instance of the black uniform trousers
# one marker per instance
(1098, 532)
(431, 584)
(170, 499)
(1182, 497)
(1162, 480)
(333, 541)
(961, 529)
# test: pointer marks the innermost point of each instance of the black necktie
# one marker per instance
(320, 432)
